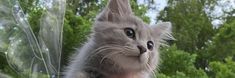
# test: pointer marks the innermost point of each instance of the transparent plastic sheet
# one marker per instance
(29, 55)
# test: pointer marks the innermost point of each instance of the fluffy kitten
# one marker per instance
(121, 46)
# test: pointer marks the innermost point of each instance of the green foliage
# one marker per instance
(179, 64)
(35, 14)
(28, 5)
(140, 11)
(208, 47)
(191, 26)
(222, 44)
(223, 69)
(76, 30)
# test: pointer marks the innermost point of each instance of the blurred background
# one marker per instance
(204, 31)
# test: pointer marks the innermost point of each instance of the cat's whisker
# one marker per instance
(150, 69)
(97, 51)
(126, 48)
(106, 56)
(154, 73)
(156, 69)
(103, 49)
(100, 50)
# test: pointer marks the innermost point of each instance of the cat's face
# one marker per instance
(126, 40)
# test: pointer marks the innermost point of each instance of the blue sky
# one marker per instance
(159, 4)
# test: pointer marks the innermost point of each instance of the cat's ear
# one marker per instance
(162, 31)
(115, 9)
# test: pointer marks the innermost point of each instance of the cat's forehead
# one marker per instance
(144, 31)
(133, 22)
(141, 28)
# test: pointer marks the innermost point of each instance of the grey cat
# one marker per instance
(121, 46)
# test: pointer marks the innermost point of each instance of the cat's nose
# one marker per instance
(142, 49)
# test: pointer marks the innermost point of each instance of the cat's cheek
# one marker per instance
(144, 58)
(127, 63)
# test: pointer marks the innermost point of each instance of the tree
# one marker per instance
(179, 64)
(196, 35)
(222, 44)
(191, 26)
(223, 69)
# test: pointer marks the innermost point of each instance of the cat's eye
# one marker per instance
(130, 32)
(150, 45)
